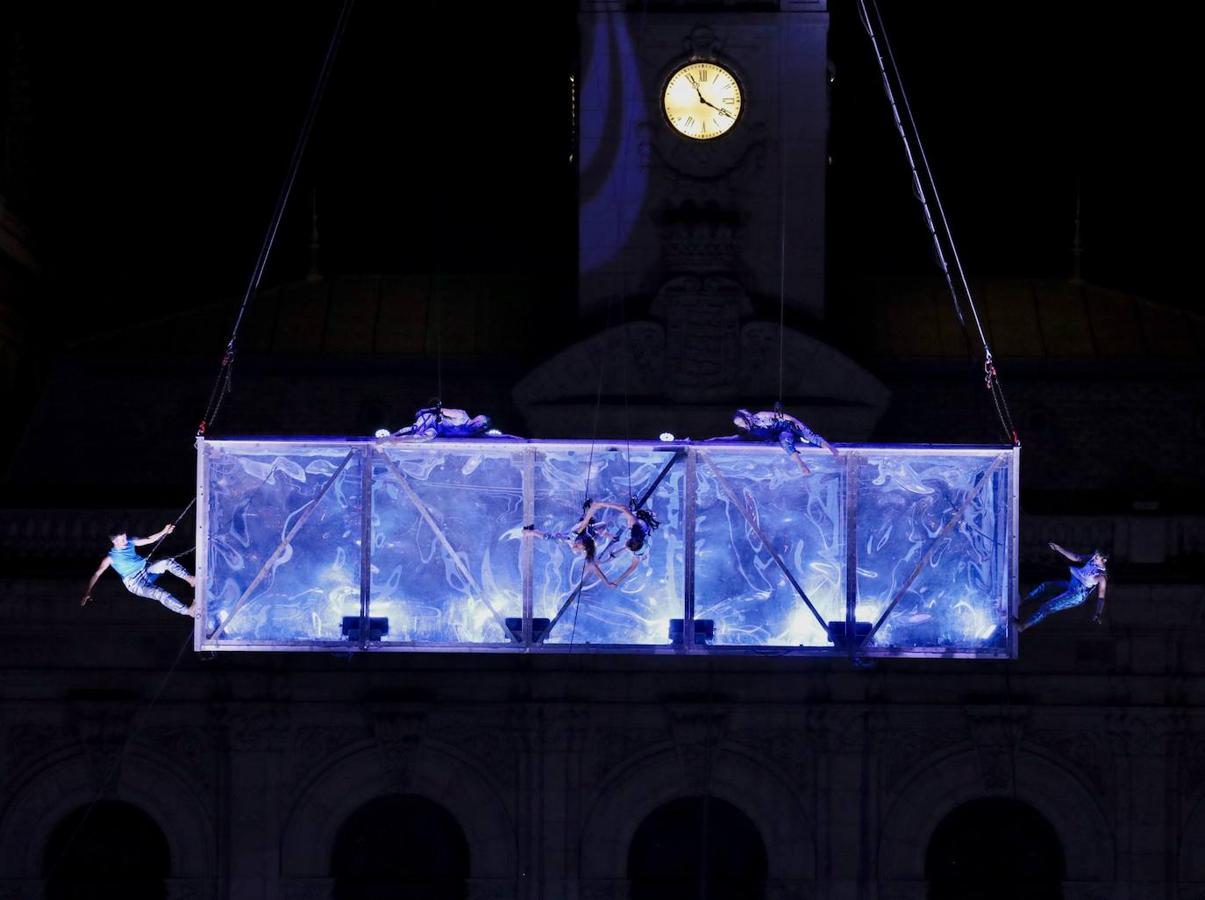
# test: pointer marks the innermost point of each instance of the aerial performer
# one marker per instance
(583, 538)
(786, 430)
(439, 421)
(1088, 575)
(640, 522)
(138, 577)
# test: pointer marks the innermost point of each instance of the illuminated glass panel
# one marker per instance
(912, 550)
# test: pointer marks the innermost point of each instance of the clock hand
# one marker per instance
(695, 85)
(713, 106)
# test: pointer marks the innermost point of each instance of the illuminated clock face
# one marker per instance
(702, 101)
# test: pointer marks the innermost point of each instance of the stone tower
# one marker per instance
(689, 243)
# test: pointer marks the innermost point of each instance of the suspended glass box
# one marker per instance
(377, 545)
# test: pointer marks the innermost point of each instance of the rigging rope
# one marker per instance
(102, 788)
(439, 345)
(222, 384)
(221, 387)
(991, 376)
(782, 232)
(151, 553)
(602, 365)
(627, 418)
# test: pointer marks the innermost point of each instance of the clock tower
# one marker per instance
(701, 159)
(748, 191)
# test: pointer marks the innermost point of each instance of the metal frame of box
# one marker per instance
(1002, 467)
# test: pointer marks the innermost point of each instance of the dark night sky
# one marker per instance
(163, 135)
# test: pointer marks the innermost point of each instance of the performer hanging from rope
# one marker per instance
(776, 425)
(1089, 575)
(641, 523)
(138, 577)
(583, 537)
(439, 421)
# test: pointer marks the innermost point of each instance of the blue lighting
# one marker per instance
(444, 539)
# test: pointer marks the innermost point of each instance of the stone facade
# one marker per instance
(250, 764)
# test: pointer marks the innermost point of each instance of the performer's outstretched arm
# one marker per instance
(592, 566)
(1074, 557)
(618, 507)
(162, 533)
(100, 570)
(628, 571)
(584, 522)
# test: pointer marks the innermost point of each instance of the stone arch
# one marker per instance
(398, 844)
(109, 846)
(998, 847)
(947, 781)
(697, 844)
(625, 799)
(354, 778)
(66, 782)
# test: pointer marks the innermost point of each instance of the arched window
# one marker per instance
(995, 848)
(400, 846)
(696, 843)
(107, 849)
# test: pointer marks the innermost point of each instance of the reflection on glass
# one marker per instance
(286, 525)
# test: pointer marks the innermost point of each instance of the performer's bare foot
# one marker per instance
(191, 579)
(803, 467)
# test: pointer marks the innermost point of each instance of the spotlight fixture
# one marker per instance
(837, 633)
(539, 626)
(704, 631)
(377, 628)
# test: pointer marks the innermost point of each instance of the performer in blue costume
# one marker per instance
(138, 577)
(441, 422)
(640, 522)
(1087, 576)
(583, 538)
(776, 425)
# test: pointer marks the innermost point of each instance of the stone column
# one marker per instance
(561, 728)
(257, 735)
(847, 791)
(1146, 845)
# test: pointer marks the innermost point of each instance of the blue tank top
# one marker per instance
(126, 561)
(1088, 573)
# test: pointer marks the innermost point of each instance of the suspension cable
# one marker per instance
(221, 387)
(991, 376)
(106, 781)
(782, 235)
(222, 384)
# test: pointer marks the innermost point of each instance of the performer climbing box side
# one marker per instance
(329, 544)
